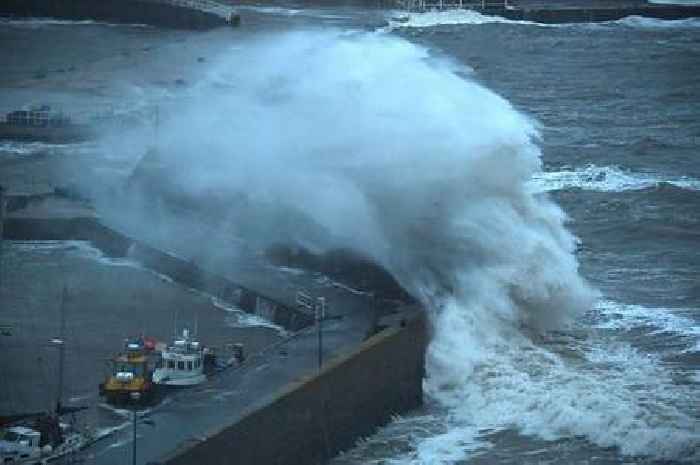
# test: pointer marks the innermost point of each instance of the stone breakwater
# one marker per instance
(176, 14)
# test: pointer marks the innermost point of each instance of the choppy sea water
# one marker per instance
(615, 110)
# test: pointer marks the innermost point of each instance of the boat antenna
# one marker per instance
(157, 124)
(196, 320)
(175, 323)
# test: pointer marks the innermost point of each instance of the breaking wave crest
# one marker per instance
(470, 17)
(627, 317)
(677, 2)
(370, 144)
(642, 22)
(605, 179)
(449, 17)
(38, 22)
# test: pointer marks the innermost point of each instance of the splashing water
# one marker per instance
(605, 179)
(395, 154)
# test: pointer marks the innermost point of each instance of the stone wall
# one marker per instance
(184, 272)
(115, 11)
(312, 420)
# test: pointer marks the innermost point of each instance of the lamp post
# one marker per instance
(320, 315)
(318, 307)
(135, 397)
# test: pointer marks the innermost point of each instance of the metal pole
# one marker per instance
(320, 315)
(61, 350)
(133, 449)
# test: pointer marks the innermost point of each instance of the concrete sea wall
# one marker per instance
(308, 421)
(314, 419)
(151, 12)
(181, 271)
(582, 14)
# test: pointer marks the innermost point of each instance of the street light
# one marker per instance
(135, 397)
(320, 315)
(318, 307)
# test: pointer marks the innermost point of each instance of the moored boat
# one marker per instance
(130, 378)
(183, 363)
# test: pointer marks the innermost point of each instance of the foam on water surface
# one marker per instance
(605, 179)
(43, 22)
(426, 19)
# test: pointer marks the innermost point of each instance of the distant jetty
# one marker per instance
(579, 11)
(176, 14)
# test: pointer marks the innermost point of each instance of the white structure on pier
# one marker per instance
(427, 5)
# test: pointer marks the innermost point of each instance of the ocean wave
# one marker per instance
(464, 16)
(449, 17)
(273, 10)
(605, 179)
(625, 317)
(676, 2)
(25, 149)
(238, 318)
(642, 22)
(608, 392)
(282, 11)
(41, 22)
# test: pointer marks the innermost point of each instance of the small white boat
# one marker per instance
(182, 364)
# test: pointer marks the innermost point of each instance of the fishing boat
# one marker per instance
(130, 378)
(184, 363)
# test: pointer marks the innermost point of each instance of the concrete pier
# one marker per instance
(561, 11)
(177, 14)
(308, 412)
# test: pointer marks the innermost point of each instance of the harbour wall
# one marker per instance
(308, 421)
(182, 271)
(583, 15)
(154, 13)
(557, 12)
(312, 420)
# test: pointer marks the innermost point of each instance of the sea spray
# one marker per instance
(391, 151)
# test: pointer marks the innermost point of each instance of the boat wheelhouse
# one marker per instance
(130, 378)
(182, 363)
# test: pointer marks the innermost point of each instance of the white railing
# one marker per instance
(425, 5)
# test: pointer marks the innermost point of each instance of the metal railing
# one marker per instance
(427, 5)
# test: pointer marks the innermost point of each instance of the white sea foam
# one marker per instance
(619, 316)
(282, 11)
(676, 2)
(605, 179)
(641, 22)
(325, 281)
(449, 17)
(238, 318)
(618, 398)
(42, 22)
(391, 172)
(86, 250)
(273, 10)
(31, 148)
(290, 270)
